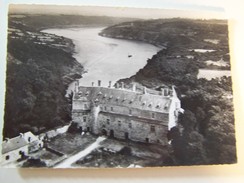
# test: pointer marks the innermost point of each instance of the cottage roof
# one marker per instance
(127, 98)
(17, 142)
(13, 144)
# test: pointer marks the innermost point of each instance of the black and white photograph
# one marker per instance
(117, 87)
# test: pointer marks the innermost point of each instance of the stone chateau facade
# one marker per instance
(136, 113)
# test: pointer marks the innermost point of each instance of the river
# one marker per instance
(106, 59)
(209, 74)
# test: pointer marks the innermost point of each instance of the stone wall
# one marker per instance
(125, 114)
(136, 129)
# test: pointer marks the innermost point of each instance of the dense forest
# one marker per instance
(206, 133)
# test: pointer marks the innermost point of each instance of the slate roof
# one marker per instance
(124, 97)
(13, 144)
(18, 142)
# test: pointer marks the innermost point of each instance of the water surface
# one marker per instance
(106, 59)
(209, 74)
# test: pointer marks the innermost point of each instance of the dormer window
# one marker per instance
(150, 105)
(166, 106)
(117, 99)
(131, 101)
(144, 103)
(104, 96)
(87, 93)
(158, 106)
(99, 93)
(111, 96)
(79, 93)
(124, 99)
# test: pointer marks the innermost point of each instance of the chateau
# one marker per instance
(136, 113)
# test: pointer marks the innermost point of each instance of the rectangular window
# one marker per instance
(112, 109)
(119, 123)
(152, 129)
(108, 121)
(130, 125)
(85, 106)
(84, 118)
(147, 140)
(130, 111)
(153, 115)
(105, 108)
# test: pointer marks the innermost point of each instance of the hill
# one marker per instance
(206, 133)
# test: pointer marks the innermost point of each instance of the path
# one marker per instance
(67, 162)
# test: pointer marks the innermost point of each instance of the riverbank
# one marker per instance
(208, 105)
(40, 67)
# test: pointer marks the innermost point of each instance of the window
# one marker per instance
(152, 129)
(29, 139)
(130, 111)
(105, 108)
(119, 123)
(130, 125)
(84, 118)
(108, 121)
(153, 115)
(126, 135)
(103, 126)
(7, 157)
(112, 109)
(85, 106)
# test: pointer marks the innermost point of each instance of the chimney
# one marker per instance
(78, 83)
(109, 84)
(99, 83)
(144, 90)
(166, 91)
(134, 87)
(76, 87)
(122, 85)
(92, 83)
(161, 91)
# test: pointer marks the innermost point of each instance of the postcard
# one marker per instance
(110, 87)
